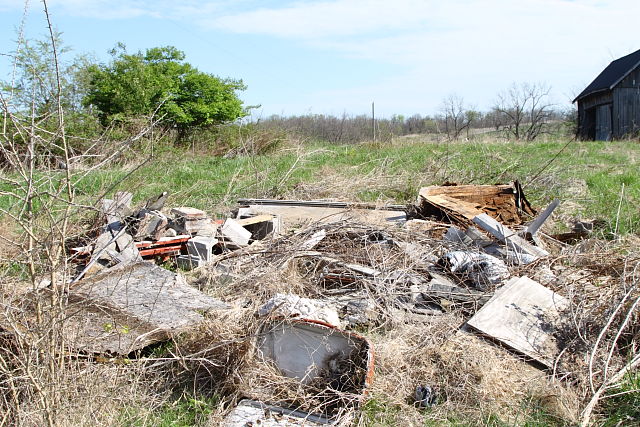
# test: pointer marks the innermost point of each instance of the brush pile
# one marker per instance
(462, 304)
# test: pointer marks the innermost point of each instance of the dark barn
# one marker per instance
(609, 108)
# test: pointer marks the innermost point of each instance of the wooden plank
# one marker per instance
(508, 236)
(535, 225)
(522, 315)
(298, 215)
(129, 307)
(254, 220)
(455, 206)
(321, 204)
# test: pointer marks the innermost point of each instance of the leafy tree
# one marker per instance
(159, 81)
(33, 86)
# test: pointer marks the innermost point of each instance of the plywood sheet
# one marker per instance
(522, 315)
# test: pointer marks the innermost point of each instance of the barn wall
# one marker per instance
(626, 105)
(626, 111)
(596, 99)
(587, 117)
(632, 80)
(603, 122)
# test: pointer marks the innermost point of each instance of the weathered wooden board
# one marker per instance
(131, 306)
(297, 215)
(508, 236)
(455, 210)
(504, 202)
(522, 315)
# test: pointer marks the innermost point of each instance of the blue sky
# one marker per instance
(336, 56)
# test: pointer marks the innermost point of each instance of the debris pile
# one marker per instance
(313, 272)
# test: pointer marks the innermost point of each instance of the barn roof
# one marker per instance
(613, 74)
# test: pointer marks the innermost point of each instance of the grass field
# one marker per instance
(588, 176)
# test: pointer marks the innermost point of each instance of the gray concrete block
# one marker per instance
(202, 247)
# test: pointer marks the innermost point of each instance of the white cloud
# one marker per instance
(471, 47)
(313, 20)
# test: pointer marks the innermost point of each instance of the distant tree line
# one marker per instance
(521, 112)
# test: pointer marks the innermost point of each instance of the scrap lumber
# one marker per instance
(535, 225)
(128, 307)
(522, 315)
(503, 202)
(260, 226)
(455, 210)
(508, 236)
(294, 215)
(254, 220)
(321, 204)
(165, 246)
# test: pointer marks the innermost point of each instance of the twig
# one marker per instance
(588, 410)
(615, 231)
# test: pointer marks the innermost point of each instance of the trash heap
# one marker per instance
(314, 273)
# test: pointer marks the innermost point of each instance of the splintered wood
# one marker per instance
(461, 203)
(522, 315)
(129, 307)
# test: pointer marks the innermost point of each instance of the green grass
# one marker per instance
(186, 411)
(621, 406)
(205, 181)
(544, 168)
(378, 412)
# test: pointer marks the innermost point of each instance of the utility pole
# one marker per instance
(373, 120)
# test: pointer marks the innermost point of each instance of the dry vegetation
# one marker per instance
(199, 376)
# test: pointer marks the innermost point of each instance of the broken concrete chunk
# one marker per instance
(103, 243)
(157, 203)
(123, 198)
(117, 209)
(169, 232)
(150, 225)
(289, 305)
(523, 315)
(235, 234)
(128, 307)
(189, 262)
(482, 269)
(190, 220)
